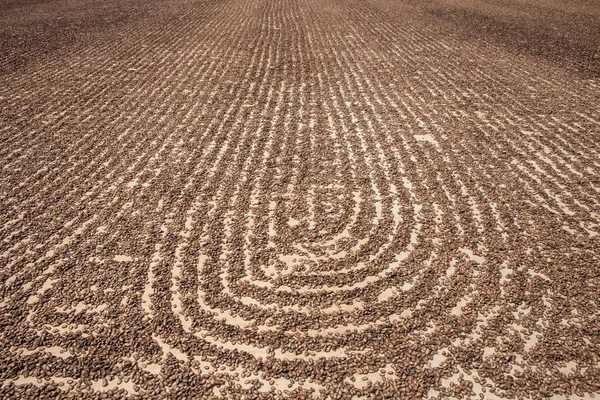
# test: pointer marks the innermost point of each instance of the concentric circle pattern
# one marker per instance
(298, 198)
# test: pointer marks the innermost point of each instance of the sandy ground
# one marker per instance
(299, 199)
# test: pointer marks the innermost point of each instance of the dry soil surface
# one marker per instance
(299, 198)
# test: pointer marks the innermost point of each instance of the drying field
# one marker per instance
(299, 198)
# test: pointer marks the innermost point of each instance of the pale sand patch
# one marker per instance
(123, 258)
(472, 256)
(457, 310)
(427, 138)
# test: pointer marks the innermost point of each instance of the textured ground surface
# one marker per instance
(310, 198)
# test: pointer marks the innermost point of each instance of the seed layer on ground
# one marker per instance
(299, 199)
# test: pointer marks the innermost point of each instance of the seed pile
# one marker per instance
(291, 199)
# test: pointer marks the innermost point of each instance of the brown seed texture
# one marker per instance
(260, 199)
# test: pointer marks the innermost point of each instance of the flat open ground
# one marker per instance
(299, 198)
